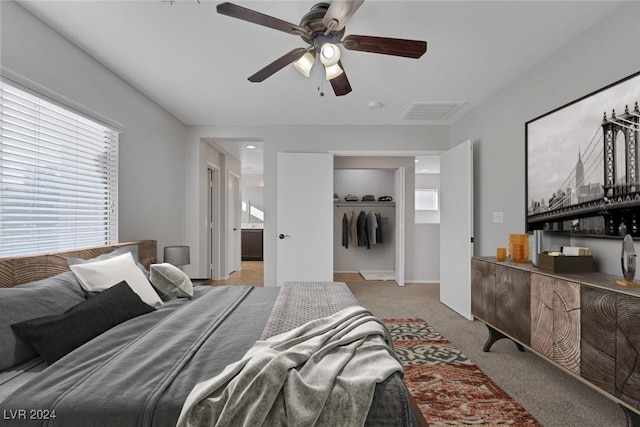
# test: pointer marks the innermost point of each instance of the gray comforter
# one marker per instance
(322, 373)
(140, 372)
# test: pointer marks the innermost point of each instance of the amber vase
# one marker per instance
(519, 247)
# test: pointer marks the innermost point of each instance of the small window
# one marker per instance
(427, 200)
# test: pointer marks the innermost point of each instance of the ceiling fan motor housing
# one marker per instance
(312, 21)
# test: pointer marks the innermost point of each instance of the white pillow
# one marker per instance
(171, 280)
(101, 275)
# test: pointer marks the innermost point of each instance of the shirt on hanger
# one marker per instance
(372, 227)
(354, 229)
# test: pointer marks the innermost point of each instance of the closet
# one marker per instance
(377, 260)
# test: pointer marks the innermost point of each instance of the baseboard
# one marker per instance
(422, 281)
(406, 281)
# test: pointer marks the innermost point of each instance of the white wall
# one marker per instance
(151, 152)
(600, 56)
(427, 235)
(426, 246)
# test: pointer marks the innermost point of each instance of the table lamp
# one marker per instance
(177, 255)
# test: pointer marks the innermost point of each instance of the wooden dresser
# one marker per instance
(582, 322)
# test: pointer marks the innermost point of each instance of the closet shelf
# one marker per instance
(364, 204)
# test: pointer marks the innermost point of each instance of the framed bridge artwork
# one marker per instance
(582, 164)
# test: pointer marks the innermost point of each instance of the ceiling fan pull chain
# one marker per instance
(320, 80)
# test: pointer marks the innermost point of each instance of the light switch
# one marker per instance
(498, 217)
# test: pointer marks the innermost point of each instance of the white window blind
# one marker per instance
(58, 177)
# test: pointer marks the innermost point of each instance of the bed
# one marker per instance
(143, 370)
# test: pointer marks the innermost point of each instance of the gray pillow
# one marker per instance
(59, 334)
(53, 295)
(171, 280)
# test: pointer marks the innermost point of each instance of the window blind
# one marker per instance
(58, 177)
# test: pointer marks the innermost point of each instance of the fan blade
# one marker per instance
(277, 65)
(245, 14)
(339, 13)
(386, 46)
(341, 84)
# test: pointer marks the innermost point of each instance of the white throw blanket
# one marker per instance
(322, 373)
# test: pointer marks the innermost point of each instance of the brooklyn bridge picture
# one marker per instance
(583, 169)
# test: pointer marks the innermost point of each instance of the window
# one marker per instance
(253, 212)
(427, 200)
(58, 177)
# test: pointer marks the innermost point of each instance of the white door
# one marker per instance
(399, 248)
(456, 227)
(304, 217)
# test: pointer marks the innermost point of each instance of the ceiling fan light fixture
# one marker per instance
(329, 54)
(333, 71)
(304, 64)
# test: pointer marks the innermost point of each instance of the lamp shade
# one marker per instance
(177, 255)
(333, 71)
(304, 64)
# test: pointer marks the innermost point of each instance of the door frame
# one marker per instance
(213, 223)
(234, 208)
(400, 186)
(399, 194)
(400, 257)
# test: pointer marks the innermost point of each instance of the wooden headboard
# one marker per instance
(23, 269)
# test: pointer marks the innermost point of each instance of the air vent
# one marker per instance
(431, 111)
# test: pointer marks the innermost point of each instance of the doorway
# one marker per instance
(252, 274)
(370, 190)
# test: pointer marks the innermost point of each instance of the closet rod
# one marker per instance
(366, 205)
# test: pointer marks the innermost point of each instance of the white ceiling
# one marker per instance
(428, 164)
(195, 62)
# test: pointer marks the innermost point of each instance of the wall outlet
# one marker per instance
(498, 217)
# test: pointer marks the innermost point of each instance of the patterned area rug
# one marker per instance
(448, 387)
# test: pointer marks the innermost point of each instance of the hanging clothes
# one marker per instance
(363, 233)
(345, 230)
(379, 229)
(372, 227)
(354, 229)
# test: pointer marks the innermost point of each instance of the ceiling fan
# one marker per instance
(323, 28)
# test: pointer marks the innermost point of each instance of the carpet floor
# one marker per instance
(447, 386)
